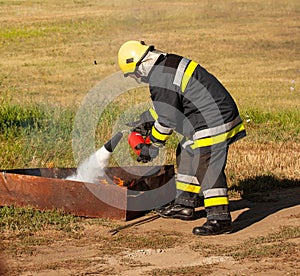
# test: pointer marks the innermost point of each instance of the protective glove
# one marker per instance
(147, 152)
(143, 128)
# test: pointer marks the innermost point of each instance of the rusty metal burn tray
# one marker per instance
(47, 189)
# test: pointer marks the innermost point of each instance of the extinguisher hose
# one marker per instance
(114, 141)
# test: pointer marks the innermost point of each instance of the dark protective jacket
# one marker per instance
(189, 99)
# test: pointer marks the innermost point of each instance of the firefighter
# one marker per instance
(188, 99)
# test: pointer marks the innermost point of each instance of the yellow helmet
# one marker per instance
(131, 54)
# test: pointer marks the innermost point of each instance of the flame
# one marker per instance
(118, 181)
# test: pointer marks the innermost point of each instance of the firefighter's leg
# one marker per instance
(214, 187)
(187, 184)
(188, 189)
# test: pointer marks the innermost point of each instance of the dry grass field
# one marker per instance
(54, 52)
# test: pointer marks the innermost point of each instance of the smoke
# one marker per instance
(93, 167)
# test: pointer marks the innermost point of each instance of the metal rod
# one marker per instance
(141, 221)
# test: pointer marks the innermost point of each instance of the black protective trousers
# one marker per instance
(201, 177)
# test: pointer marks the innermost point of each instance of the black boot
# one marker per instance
(177, 211)
(214, 227)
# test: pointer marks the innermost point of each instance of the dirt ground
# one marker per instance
(171, 249)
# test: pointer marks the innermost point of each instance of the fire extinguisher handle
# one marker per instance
(147, 140)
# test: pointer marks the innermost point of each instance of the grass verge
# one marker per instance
(24, 221)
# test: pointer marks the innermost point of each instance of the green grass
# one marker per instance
(15, 119)
(278, 126)
(40, 134)
(35, 135)
(28, 220)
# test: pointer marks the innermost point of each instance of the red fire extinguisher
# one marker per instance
(135, 139)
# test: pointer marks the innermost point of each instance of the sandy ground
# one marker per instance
(251, 220)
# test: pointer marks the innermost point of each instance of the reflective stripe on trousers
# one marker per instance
(199, 174)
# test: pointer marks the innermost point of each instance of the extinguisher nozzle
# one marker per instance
(113, 142)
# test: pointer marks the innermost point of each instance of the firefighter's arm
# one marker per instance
(166, 104)
(160, 134)
(155, 135)
(145, 122)
(149, 125)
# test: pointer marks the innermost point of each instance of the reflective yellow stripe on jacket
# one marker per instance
(153, 113)
(209, 141)
(159, 136)
(160, 133)
(188, 74)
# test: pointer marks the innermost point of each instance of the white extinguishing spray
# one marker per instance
(93, 167)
